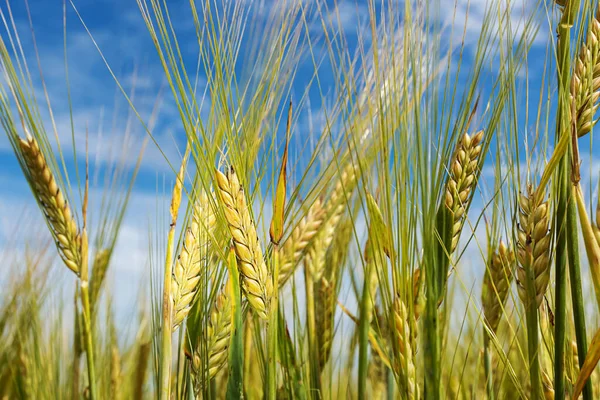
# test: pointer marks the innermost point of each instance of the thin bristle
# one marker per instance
(53, 204)
(256, 280)
(496, 284)
(193, 255)
(463, 174)
(533, 253)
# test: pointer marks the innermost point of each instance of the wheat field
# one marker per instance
(300, 199)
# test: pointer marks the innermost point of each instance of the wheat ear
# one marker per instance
(585, 85)
(295, 246)
(193, 254)
(325, 302)
(218, 334)
(463, 174)
(533, 245)
(99, 268)
(257, 282)
(547, 386)
(54, 206)
(316, 252)
(496, 284)
(404, 365)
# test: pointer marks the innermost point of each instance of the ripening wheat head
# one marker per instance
(334, 210)
(463, 173)
(404, 364)
(585, 85)
(193, 255)
(533, 245)
(496, 284)
(301, 237)
(218, 335)
(255, 277)
(53, 204)
(325, 313)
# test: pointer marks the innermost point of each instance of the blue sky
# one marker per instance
(119, 31)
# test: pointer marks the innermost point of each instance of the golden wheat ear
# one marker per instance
(194, 252)
(295, 246)
(533, 245)
(53, 204)
(462, 179)
(404, 364)
(585, 85)
(257, 283)
(496, 284)
(218, 335)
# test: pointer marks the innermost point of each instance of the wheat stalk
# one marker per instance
(193, 254)
(533, 246)
(54, 206)
(256, 280)
(218, 334)
(295, 246)
(585, 85)
(496, 284)
(463, 174)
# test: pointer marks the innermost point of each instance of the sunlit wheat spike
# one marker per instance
(404, 364)
(218, 334)
(315, 255)
(462, 179)
(192, 256)
(335, 206)
(302, 235)
(533, 245)
(496, 284)
(585, 85)
(99, 268)
(325, 312)
(256, 280)
(53, 204)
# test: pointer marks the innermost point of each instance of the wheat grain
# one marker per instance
(496, 284)
(533, 245)
(548, 386)
(194, 252)
(53, 204)
(585, 85)
(256, 280)
(463, 174)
